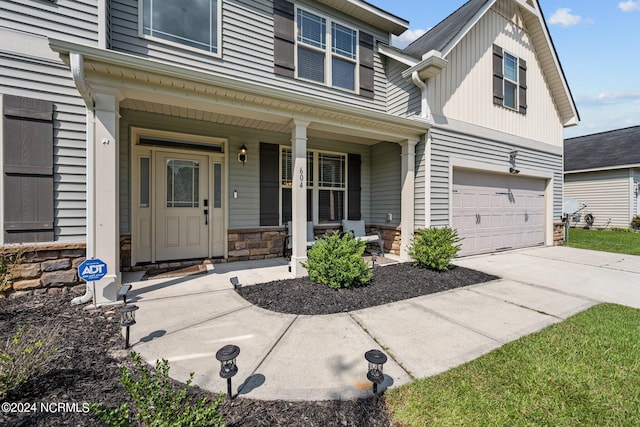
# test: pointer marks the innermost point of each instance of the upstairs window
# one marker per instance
(510, 81)
(191, 23)
(336, 66)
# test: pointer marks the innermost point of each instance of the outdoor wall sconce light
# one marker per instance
(242, 154)
(512, 159)
(128, 313)
(376, 360)
(228, 368)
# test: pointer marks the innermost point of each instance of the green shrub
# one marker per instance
(336, 261)
(433, 248)
(635, 222)
(621, 229)
(157, 403)
(26, 353)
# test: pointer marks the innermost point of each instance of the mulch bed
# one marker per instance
(90, 351)
(390, 283)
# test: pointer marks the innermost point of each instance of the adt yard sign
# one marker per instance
(92, 270)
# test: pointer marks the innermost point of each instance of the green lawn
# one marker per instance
(605, 240)
(583, 371)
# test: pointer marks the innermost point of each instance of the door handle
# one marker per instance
(206, 217)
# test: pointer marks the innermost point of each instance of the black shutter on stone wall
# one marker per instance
(353, 209)
(27, 141)
(283, 38)
(366, 65)
(498, 76)
(269, 188)
(522, 83)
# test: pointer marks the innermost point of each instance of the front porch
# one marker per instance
(166, 182)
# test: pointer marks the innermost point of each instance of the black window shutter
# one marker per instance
(498, 77)
(366, 64)
(269, 188)
(353, 210)
(283, 38)
(522, 77)
(28, 169)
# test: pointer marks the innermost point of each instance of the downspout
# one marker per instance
(425, 110)
(79, 79)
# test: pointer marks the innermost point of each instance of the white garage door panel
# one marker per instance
(494, 212)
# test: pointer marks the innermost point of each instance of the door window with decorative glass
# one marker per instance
(335, 67)
(191, 23)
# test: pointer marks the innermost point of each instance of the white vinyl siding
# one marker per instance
(606, 192)
(403, 96)
(464, 91)
(247, 49)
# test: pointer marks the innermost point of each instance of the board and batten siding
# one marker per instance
(385, 183)
(607, 193)
(244, 211)
(247, 50)
(31, 69)
(447, 143)
(463, 91)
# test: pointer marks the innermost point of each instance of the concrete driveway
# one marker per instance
(322, 357)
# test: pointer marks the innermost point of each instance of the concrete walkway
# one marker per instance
(291, 357)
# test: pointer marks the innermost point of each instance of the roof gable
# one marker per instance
(445, 36)
(620, 147)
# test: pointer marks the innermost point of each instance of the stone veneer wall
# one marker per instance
(558, 233)
(44, 268)
(256, 243)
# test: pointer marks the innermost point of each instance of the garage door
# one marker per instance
(497, 212)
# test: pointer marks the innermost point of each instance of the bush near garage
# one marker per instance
(434, 248)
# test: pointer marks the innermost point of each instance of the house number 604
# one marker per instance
(301, 177)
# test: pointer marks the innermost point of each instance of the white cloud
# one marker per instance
(564, 17)
(629, 5)
(404, 39)
(608, 98)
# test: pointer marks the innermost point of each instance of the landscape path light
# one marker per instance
(128, 318)
(375, 374)
(228, 368)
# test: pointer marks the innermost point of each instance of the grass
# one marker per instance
(583, 371)
(605, 240)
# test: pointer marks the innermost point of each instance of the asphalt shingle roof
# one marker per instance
(439, 36)
(618, 147)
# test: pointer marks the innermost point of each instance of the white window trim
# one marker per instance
(328, 51)
(217, 54)
(315, 188)
(505, 80)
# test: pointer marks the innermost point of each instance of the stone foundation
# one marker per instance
(48, 268)
(256, 243)
(558, 233)
(391, 236)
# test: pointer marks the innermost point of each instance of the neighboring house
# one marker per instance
(198, 130)
(603, 170)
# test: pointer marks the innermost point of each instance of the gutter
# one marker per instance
(80, 81)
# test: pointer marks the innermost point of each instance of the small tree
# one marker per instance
(434, 248)
(336, 261)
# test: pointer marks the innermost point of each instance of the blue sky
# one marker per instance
(598, 43)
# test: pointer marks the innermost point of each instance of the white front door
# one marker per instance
(181, 206)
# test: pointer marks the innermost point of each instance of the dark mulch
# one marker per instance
(389, 284)
(87, 366)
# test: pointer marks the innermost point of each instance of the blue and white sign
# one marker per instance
(92, 269)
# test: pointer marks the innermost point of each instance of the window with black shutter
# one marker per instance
(509, 80)
(27, 144)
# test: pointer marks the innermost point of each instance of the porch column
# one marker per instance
(299, 197)
(103, 231)
(407, 220)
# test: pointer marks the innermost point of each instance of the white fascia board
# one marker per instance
(472, 22)
(431, 65)
(604, 168)
(397, 55)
